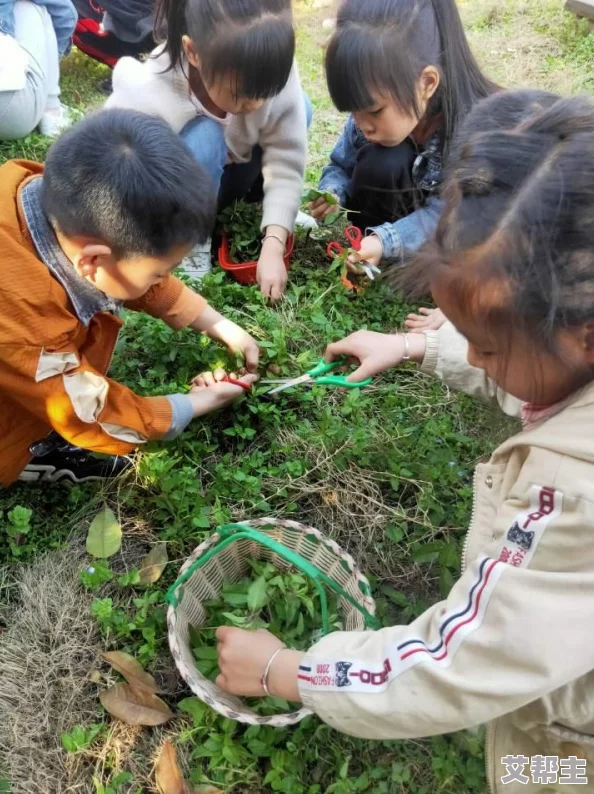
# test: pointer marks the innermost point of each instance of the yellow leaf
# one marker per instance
(153, 565)
(132, 671)
(95, 676)
(167, 773)
(105, 535)
(135, 706)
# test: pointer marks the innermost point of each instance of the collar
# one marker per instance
(86, 299)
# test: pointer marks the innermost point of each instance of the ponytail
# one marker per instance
(464, 84)
(170, 27)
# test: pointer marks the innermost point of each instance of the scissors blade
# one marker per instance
(289, 384)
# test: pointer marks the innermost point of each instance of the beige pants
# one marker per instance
(21, 111)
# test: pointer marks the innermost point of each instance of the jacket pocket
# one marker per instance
(565, 742)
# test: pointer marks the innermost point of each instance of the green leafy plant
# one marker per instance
(115, 784)
(17, 526)
(241, 222)
(140, 630)
(96, 575)
(313, 194)
(80, 738)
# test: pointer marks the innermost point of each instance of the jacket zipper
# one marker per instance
(472, 522)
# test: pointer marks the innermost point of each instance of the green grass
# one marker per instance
(386, 471)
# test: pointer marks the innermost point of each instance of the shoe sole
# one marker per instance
(38, 474)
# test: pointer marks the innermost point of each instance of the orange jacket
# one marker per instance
(52, 366)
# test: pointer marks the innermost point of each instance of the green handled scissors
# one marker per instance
(320, 375)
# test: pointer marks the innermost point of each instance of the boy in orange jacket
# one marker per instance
(119, 204)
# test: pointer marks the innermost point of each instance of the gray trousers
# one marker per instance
(21, 111)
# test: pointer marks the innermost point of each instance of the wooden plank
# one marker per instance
(583, 8)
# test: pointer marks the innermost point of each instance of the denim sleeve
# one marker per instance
(409, 233)
(182, 415)
(7, 17)
(336, 177)
(64, 19)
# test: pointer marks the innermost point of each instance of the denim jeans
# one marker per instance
(205, 138)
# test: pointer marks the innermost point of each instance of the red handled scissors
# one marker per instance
(234, 382)
(355, 238)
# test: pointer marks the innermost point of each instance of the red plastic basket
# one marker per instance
(245, 272)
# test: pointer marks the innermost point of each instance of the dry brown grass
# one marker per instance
(47, 651)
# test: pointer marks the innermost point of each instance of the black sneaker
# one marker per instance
(55, 460)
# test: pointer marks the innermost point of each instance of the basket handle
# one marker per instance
(232, 532)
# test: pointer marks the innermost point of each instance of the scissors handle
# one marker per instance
(321, 375)
(354, 236)
(334, 250)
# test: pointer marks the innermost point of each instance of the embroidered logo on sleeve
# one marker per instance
(525, 533)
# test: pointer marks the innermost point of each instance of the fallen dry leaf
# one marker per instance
(95, 676)
(132, 670)
(135, 706)
(153, 565)
(167, 773)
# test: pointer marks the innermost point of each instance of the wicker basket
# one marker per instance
(223, 558)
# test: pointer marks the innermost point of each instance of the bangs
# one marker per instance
(257, 60)
(361, 66)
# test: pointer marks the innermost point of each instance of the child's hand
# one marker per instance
(320, 208)
(371, 251)
(243, 657)
(272, 271)
(425, 320)
(210, 392)
(375, 352)
(229, 333)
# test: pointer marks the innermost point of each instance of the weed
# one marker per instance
(80, 738)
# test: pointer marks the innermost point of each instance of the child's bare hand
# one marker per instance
(425, 320)
(272, 271)
(210, 391)
(371, 252)
(243, 656)
(320, 208)
(374, 352)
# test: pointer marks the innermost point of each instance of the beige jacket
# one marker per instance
(279, 127)
(513, 644)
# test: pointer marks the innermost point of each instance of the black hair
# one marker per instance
(514, 248)
(249, 42)
(128, 180)
(382, 46)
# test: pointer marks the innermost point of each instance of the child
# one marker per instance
(225, 80)
(34, 34)
(405, 71)
(118, 206)
(513, 269)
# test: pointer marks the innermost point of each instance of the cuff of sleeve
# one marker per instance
(187, 308)
(390, 239)
(182, 414)
(278, 214)
(429, 364)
